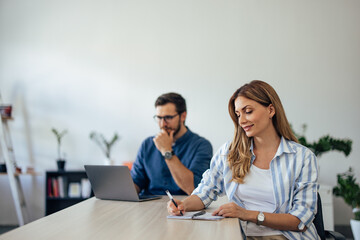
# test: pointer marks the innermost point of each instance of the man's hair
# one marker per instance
(174, 98)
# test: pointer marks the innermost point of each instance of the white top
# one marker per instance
(257, 194)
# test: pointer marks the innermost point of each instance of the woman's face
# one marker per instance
(254, 118)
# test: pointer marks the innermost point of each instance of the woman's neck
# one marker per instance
(265, 149)
(268, 141)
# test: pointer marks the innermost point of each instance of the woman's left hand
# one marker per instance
(231, 210)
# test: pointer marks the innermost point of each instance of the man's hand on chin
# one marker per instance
(163, 140)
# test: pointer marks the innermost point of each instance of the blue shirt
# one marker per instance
(294, 173)
(153, 176)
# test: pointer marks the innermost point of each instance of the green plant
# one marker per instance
(105, 145)
(59, 136)
(325, 143)
(349, 190)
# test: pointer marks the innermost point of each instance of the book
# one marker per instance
(202, 215)
(55, 187)
(61, 186)
(74, 190)
(65, 185)
(85, 188)
(49, 187)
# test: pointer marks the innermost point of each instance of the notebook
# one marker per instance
(114, 183)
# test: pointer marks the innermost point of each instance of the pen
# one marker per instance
(172, 199)
(198, 214)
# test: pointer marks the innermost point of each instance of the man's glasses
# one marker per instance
(166, 118)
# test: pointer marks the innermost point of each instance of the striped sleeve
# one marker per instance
(212, 184)
(304, 205)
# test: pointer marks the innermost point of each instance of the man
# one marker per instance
(175, 158)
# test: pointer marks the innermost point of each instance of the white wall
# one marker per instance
(99, 65)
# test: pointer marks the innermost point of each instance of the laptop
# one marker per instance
(114, 183)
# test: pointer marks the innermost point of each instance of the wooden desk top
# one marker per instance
(102, 219)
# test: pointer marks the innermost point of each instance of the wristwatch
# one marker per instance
(260, 218)
(169, 154)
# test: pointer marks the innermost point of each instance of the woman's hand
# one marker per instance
(231, 210)
(173, 210)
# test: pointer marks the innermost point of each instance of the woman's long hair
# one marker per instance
(239, 156)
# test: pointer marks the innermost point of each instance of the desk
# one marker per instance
(102, 219)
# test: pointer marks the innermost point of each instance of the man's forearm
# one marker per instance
(183, 177)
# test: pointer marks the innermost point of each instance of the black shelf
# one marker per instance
(56, 201)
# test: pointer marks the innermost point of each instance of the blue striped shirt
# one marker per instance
(294, 173)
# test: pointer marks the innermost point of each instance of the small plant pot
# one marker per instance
(3, 168)
(355, 228)
(109, 161)
(61, 165)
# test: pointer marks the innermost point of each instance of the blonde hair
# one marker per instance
(239, 156)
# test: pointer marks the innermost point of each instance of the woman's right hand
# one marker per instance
(173, 210)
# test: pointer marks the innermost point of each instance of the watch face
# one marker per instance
(168, 155)
(260, 218)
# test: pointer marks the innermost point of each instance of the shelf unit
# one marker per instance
(53, 203)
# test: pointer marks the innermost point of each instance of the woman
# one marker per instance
(269, 179)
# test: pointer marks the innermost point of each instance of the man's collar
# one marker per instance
(183, 137)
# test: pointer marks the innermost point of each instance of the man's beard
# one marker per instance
(176, 130)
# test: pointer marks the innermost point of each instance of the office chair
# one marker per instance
(319, 225)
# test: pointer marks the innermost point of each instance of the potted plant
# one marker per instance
(325, 143)
(60, 161)
(105, 145)
(349, 190)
